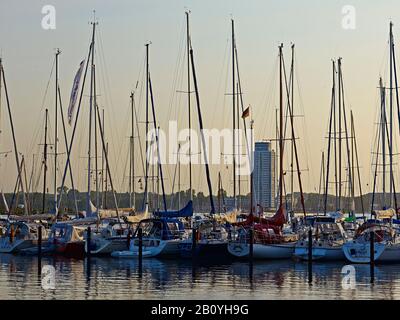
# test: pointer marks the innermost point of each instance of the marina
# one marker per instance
(122, 184)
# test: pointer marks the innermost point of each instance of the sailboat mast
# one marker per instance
(146, 196)
(45, 162)
(157, 145)
(233, 113)
(96, 167)
(331, 121)
(383, 131)
(202, 133)
(2, 74)
(56, 136)
(132, 157)
(189, 101)
(88, 206)
(239, 147)
(353, 133)
(280, 127)
(293, 137)
(391, 115)
(340, 133)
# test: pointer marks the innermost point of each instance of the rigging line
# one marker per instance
(115, 132)
(268, 118)
(376, 170)
(304, 121)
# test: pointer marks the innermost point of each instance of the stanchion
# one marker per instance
(251, 254)
(310, 249)
(39, 250)
(372, 255)
(140, 255)
(128, 239)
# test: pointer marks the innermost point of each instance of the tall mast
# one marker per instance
(239, 202)
(397, 102)
(102, 164)
(179, 177)
(391, 115)
(92, 80)
(293, 138)
(16, 153)
(202, 133)
(146, 196)
(294, 146)
(132, 157)
(189, 107)
(349, 164)
(280, 128)
(252, 171)
(233, 114)
(56, 136)
(45, 162)
(331, 121)
(353, 134)
(340, 133)
(157, 145)
(96, 168)
(383, 131)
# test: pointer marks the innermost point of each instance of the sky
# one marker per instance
(126, 25)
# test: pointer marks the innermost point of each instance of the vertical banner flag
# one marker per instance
(74, 92)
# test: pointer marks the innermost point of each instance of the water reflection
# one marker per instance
(107, 278)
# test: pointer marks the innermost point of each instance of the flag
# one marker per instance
(246, 113)
(74, 92)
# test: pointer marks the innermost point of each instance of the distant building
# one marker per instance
(264, 175)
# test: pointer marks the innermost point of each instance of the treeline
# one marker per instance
(201, 202)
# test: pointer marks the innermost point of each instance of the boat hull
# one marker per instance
(105, 246)
(206, 250)
(262, 251)
(360, 252)
(71, 249)
(16, 246)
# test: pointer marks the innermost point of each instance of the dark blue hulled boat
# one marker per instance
(161, 235)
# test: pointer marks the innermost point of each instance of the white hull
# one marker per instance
(360, 252)
(107, 246)
(130, 254)
(151, 248)
(262, 251)
(326, 253)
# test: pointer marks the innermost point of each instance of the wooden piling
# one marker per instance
(310, 249)
(372, 255)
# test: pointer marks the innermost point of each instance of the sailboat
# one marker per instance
(386, 240)
(328, 233)
(270, 242)
(162, 233)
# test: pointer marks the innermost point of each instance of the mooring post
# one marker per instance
(251, 251)
(310, 249)
(88, 241)
(194, 242)
(372, 255)
(40, 250)
(251, 247)
(140, 243)
(128, 239)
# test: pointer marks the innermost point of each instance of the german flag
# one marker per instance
(246, 113)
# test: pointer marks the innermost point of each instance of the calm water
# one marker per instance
(119, 279)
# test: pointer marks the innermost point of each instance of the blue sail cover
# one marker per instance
(185, 212)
